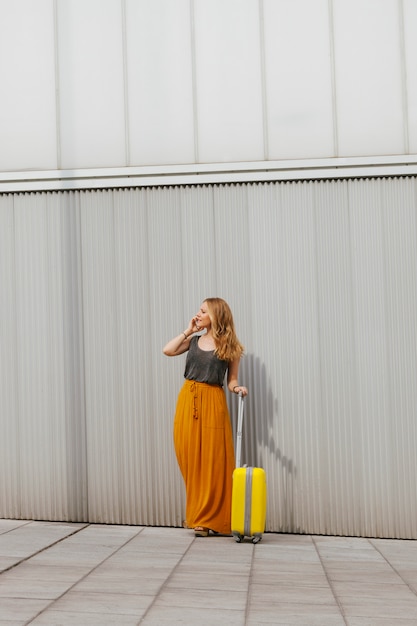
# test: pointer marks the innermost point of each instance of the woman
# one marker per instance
(203, 435)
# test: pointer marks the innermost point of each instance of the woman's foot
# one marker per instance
(200, 531)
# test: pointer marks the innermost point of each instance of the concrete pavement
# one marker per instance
(56, 573)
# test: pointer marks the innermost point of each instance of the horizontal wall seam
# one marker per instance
(105, 178)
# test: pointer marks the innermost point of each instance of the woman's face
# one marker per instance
(202, 318)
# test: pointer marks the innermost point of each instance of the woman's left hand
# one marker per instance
(241, 390)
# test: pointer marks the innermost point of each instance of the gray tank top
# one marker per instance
(203, 366)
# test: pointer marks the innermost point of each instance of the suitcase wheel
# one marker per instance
(256, 538)
(238, 538)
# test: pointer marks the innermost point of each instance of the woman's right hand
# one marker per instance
(181, 342)
(192, 326)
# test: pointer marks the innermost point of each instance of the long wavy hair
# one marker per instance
(228, 347)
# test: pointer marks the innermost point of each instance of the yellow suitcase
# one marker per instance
(248, 494)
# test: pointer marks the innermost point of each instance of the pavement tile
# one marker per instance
(21, 609)
(300, 594)
(395, 546)
(207, 581)
(363, 606)
(76, 618)
(27, 539)
(260, 612)
(84, 558)
(9, 524)
(6, 562)
(278, 539)
(191, 616)
(35, 571)
(118, 603)
(372, 590)
(121, 582)
(29, 581)
(152, 568)
(312, 619)
(31, 588)
(286, 579)
(402, 556)
(382, 573)
(202, 599)
(156, 540)
(227, 568)
(367, 555)
(297, 567)
(379, 621)
(409, 577)
(218, 551)
(287, 553)
(89, 548)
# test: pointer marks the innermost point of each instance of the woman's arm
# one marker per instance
(177, 345)
(181, 343)
(232, 378)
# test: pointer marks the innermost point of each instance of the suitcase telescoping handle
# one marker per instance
(239, 431)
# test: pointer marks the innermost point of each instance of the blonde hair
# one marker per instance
(228, 346)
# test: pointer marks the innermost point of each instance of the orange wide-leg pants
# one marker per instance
(203, 442)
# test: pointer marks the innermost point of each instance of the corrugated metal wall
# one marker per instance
(322, 279)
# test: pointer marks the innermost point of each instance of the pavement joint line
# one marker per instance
(167, 579)
(249, 589)
(46, 608)
(329, 582)
(4, 532)
(392, 567)
(32, 554)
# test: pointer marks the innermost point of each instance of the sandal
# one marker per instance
(200, 531)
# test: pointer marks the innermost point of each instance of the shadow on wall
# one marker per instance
(263, 422)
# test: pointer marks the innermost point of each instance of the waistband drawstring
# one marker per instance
(193, 389)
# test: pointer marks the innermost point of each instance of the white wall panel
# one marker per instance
(27, 78)
(228, 80)
(369, 98)
(410, 51)
(322, 279)
(159, 75)
(298, 78)
(91, 83)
